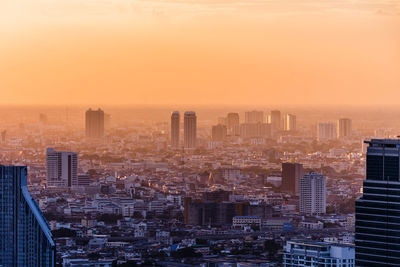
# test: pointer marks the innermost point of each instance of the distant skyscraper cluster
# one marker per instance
(25, 237)
(62, 168)
(313, 194)
(94, 123)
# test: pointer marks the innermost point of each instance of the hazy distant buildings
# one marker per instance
(251, 130)
(43, 118)
(290, 123)
(377, 228)
(3, 136)
(218, 132)
(62, 168)
(26, 238)
(343, 128)
(254, 117)
(190, 130)
(313, 194)
(94, 123)
(232, 120)
(175, 129)
(326, 131)
(291, 175)
(275, 120)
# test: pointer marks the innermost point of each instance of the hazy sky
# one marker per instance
(272, 52)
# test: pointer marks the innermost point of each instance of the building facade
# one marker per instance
(311, 253)
(377, 225)
(25, 236)
(290, 123)
(343, 128)
(254, 116)
(175, 129)
(62, 168)
(219, 132)
(94, 122)
(313, 194)
(232, 120)
(326, 131)
(291, 175)
(190, 130)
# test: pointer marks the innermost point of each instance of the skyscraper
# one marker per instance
(25, 237)
(218, 132)
(291, 175)
(326, 131)
(290, 123)
(377, 227)
(254, 117)
(94, 123)
(232, 120)
(62, 168)
(275, 121)
(190, 130)
(175, 126)
(343, 128)
(313, 194)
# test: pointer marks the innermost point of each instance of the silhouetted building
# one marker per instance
(291, 175)
(219, 132)
(25, 236)
(343, 128)
(94, 123)
(190, 130)
(175, 129)
(62, 168)
(377, 228)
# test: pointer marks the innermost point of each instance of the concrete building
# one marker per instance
(62, 168)
(312, 253)
(94, 123)
(25, 236)
(175, 129)
(254, 116)
(343, 128)
(219, 132)
(313, 194)
(190, 130)
(232, 120)
(326, 131)
(290, 123)
(291, 175)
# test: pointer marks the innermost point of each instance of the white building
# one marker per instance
(326, 131)
(313, 194)
(322, 254)
(62, 168)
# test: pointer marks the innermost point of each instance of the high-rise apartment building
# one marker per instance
(313, 194)
(62, 168)
(175, 128)
(232, 120)
(254, 116)
(377, 227)
(25, 236)
(275, 120)
(190, 130)
(94, 123)
(290, 123)
(326, 131)
(218, 132)
(291, 175)
(343, 128)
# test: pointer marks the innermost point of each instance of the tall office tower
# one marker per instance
(313, 194)
(290, 123)
(62, 168)
(275, 120)
(219, 132)
(254, 117)
(190, 129)
(94, 123)
(25, 235)
(377, 230)
(291, 175)
(326, 131)
(175, 126)
(343, 128)
(232, 120)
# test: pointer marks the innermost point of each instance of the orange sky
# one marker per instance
(276, 52)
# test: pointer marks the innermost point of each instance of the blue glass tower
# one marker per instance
(378, 210)
(25, 237)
